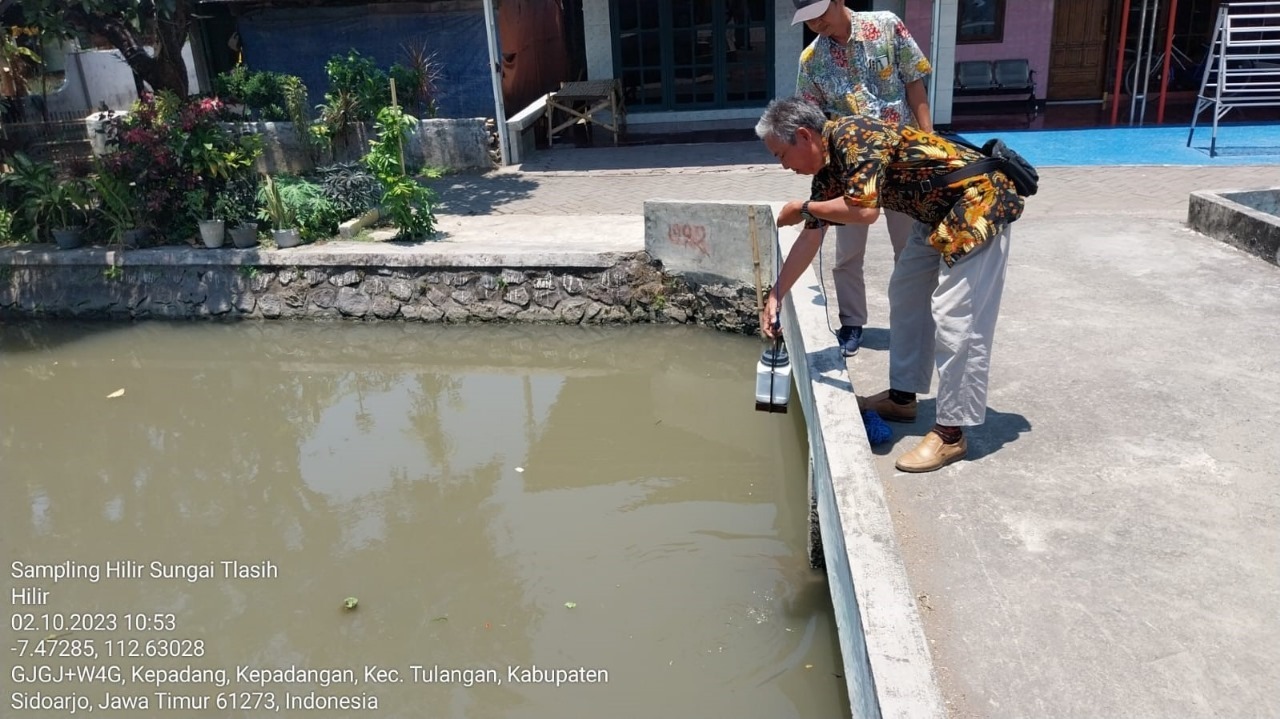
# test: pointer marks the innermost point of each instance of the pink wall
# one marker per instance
(1028, 33)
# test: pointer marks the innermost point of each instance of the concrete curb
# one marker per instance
(470, 242)
(888, 667)
(1236, 218)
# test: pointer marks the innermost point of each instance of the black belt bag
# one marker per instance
(999, 156)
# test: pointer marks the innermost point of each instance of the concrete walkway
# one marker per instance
(1112, 546)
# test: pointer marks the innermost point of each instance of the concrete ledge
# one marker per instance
(888, 668)
(352, 227)
(474, 242)
(521, 128)
(1247, 219)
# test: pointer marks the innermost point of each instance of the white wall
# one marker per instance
(599, 39)
(788, 41)
(944, 62)
(97, 76)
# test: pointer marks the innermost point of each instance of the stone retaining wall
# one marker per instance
(633, 290)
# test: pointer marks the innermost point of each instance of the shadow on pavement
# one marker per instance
(477, 194)
(1000, 429)
(650, 157)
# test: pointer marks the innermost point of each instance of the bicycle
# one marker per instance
(1184, 73)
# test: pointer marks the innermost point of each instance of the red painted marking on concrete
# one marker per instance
(686, 235)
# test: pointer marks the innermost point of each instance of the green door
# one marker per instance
(693, 54)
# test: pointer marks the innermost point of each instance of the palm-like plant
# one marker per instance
(46, 201)
(117, 204)
(275, 210)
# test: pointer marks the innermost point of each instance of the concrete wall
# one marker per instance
(450, 144)
(711, 241)
(888, 669)
(1248, 219)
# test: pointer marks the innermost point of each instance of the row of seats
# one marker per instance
(980, 79)
(983, 76)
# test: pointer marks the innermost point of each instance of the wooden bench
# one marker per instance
(987, 80)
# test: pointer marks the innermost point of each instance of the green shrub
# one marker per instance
(350, 187)
(408, 203)
(316, 216)
(267, 96)
(6, 227)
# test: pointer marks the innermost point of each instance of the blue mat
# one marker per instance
(1242, 144)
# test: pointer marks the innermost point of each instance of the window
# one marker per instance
(980, 21)
(693, 54)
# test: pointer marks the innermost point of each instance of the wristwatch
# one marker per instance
(806, 214)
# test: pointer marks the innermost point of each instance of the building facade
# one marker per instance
(684, 63)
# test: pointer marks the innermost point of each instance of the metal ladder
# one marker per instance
(1243, 69)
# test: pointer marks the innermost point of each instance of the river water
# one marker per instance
(529, 521)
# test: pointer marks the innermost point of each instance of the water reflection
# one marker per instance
(464, 483)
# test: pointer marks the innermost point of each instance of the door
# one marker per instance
(693, 54)
(1078, 56)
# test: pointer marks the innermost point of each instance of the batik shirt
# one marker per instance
(873, 164)
(867, 75)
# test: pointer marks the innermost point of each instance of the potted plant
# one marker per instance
(117, 206)
(66, 202)
(49, 205)
(59, 206)
(283, 219)
(236, 205)
(213, 230)
(241, 224)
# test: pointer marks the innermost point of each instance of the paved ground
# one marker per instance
(1112, 547)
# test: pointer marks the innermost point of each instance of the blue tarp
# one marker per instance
(300, 42)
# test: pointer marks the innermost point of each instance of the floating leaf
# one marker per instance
(571, 605)
(441, 619)
(117, 393)
(350, 602)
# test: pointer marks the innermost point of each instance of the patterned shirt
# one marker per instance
(874, 164)
(867, 75)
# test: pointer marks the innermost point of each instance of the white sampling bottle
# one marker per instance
(773, 380)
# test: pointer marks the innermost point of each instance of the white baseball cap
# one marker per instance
(807, 10)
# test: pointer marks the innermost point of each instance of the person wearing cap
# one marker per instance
(944, 293)
(861, 63)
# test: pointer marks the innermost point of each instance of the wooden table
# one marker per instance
(584, 102)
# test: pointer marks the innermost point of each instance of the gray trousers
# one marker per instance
(851, 248)
(945, 318)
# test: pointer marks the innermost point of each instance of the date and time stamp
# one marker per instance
(70, 662)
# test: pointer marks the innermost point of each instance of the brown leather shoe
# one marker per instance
(888, 409)
(932, 453)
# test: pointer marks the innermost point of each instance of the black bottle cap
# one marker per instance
(775, 357)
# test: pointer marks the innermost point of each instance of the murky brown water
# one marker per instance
(604, 502)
